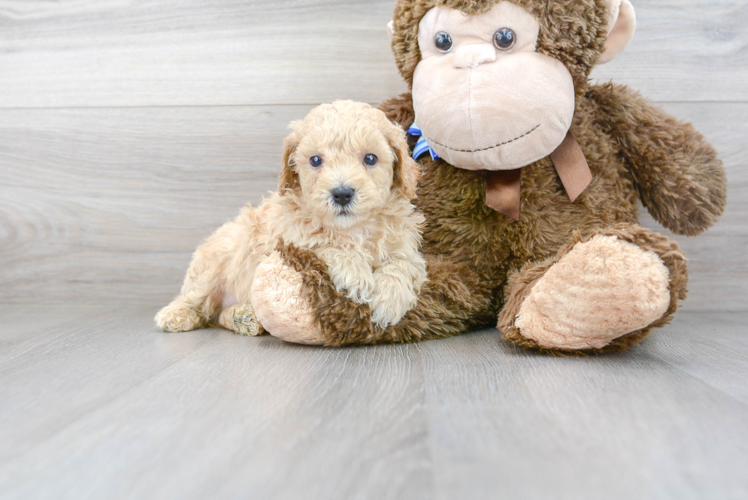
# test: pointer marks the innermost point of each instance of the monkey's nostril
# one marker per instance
(342, 195)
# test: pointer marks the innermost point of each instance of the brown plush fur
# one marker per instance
(675, 171)
(479, 259)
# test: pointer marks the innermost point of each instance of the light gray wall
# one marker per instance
(129, 130)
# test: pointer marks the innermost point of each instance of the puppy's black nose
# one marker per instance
(342, 195)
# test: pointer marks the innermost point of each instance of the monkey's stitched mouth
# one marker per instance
(484, 149)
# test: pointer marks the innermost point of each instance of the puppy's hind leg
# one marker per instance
(179, 316)
(201, 295)
(241, 319)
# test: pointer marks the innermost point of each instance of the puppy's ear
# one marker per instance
(289, 179)
(406, 171)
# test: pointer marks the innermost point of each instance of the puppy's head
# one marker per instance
(346, 162)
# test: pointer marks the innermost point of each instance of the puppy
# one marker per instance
(345, 193)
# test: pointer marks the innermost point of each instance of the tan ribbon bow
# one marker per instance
(503, 187)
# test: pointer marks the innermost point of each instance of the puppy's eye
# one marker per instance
(315, 161)
(371, 160)
(443, 42)
(504, 39)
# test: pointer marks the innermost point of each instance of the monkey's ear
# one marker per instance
(289, 179)
(391, 29)
(406, 171)
(621, 28)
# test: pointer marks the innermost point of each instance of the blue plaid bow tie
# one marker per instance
(421, 146)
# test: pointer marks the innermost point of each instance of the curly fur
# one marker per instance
(370, 247)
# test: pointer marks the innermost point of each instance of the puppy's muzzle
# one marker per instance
(342, 196)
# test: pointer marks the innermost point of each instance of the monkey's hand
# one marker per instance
(677, 173)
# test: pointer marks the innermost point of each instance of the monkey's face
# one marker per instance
(484, 98)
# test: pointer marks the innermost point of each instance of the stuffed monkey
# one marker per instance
(531, 178)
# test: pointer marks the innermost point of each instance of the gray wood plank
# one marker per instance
(24, 328)
(714, 349)
(689, 50)
(626, 426)
(125, 195)
(177, 52)
(74, 367)
(229, 52)
(117, 403)
(20, 321)
(113, 409)
(107, 205)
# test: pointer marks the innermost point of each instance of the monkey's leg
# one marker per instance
(295, 300)
(242, 320)
(601, 292)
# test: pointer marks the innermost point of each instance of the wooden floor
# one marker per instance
(94, 403)
(130, 130)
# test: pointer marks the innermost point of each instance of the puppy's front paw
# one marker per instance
(350, 272)
(389, 305)
(359, 288)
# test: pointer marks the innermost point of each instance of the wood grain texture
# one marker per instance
(107, 198)
(247, 52)
(713, 349)
(191, 52)
(628, 426)
(692, 50)
(107, 205)
(114, 409)
(103, 406)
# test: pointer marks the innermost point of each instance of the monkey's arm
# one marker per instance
(677, 173)
(453, 301)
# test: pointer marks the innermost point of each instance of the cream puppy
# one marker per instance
(345, 193)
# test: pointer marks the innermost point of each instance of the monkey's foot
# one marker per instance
(605, 292)
(279, 304)
(242, 320)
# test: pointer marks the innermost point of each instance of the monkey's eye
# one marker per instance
(315, 161)
(443, 42)
(371, 160)
(504, 39)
